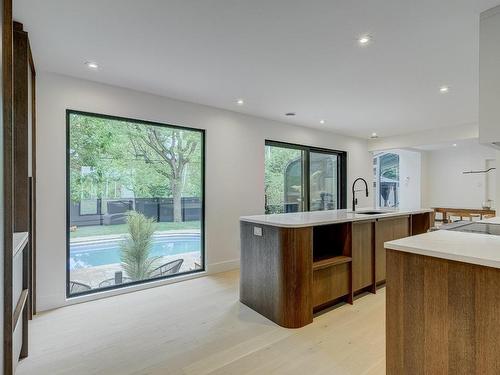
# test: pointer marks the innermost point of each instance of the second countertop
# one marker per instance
(473, 248)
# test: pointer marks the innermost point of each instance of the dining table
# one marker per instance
(464, 212)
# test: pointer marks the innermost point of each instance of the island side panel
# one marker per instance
(488, 325)
(297, 260)
(276, 273)
(443, 317)
(260, 279)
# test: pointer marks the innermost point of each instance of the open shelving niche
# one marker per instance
(332, 264)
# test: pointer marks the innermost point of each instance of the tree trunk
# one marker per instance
(176, 193)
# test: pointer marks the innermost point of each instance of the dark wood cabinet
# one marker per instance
(19, 192)
(276, 273)
(388, 229)
(420, 223)
(331, 264)
(287, 274)
(330, 284)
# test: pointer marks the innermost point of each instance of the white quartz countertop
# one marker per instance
(310, 219)
(474, 248)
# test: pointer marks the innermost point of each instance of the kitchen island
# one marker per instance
(443, 303)
(296, 264)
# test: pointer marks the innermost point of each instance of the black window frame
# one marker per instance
(341, 170)
(202, 132)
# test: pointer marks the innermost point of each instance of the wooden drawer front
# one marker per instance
(330, 283)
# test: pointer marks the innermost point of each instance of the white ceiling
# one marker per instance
(278, 55)
(452, 144)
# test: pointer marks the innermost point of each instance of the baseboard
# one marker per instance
(46, 302)
(53, 301)
(227, 265)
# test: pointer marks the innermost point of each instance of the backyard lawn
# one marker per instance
(102, 230)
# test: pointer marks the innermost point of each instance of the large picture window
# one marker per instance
(135, 201)
(300, 178)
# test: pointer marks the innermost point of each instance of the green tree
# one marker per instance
(110, 157)
(92, 154)
(172, 148)
(101, 155)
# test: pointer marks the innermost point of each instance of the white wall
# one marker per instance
(489, 77)
(497, 195)
(409, 179)
(446, 185)
(489, 82)
(234, 166)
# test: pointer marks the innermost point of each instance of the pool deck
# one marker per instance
(92, 276)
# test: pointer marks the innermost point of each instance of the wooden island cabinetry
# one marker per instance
(443, 304)
(291, 271)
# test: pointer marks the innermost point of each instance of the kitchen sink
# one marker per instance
(372, 212)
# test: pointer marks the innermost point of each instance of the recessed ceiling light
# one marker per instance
(364, 40)
(290, 114)
(444, 89)
(321, 122)
(92, 65)
(454, 145)
(374, 135)
(240, 102)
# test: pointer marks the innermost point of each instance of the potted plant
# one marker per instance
(136, 249)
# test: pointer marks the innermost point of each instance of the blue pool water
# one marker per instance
(102, 252)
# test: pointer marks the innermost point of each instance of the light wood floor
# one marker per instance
(199, 327)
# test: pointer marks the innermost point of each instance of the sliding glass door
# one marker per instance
(284, 179)
(135, 209)
(323, 181)
(300, 178)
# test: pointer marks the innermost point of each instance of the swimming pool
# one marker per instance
(102, 252)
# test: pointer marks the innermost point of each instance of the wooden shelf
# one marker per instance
(333, 261)
(331, 241)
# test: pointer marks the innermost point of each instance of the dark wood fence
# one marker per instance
(110, 212)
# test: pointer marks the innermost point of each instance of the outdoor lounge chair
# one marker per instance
(76, 287)
(170, 268)
(117, 212)
(111, 282)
